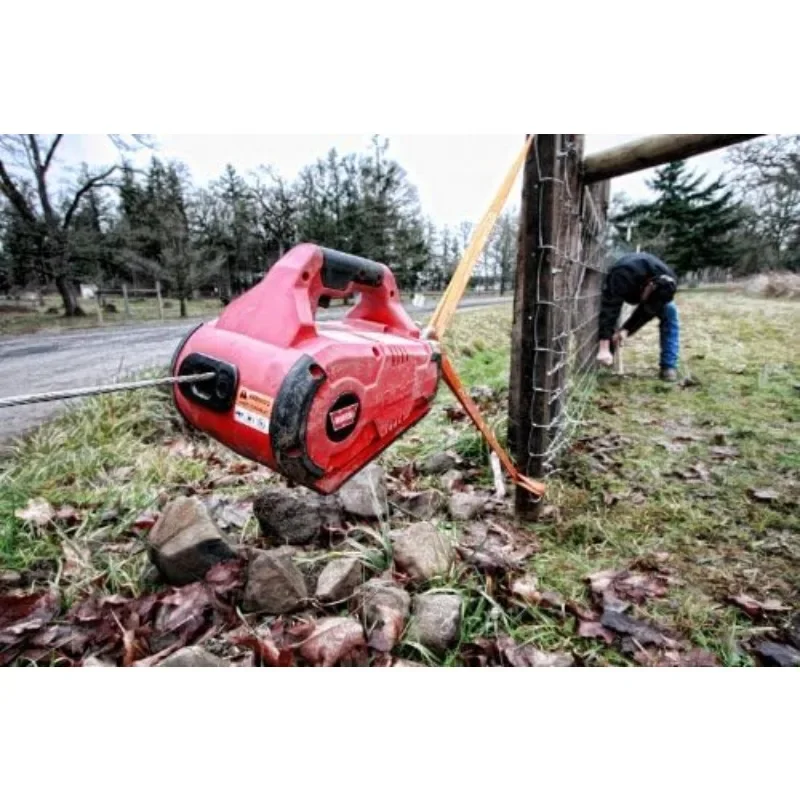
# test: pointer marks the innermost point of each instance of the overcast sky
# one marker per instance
(456, 174)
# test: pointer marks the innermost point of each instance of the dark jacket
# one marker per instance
(625, 283)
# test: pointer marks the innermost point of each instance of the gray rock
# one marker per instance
(364, 495)
(185, 543)
(296, 518)
(339, 580)
(192, 657)
(274, 584)
(386, 610)
(778, 655)
(438, 463)
(464, 507)
(422, 552)
(436, 621)
(451, 480)
(422, 505)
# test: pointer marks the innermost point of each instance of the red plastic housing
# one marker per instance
(313, 401)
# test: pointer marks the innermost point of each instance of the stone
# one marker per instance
(386, 609)
(422, 505)
(402, 662)
(422, 552)
(295, 518)
(364, 495)
(338, 581)
(438, 463)
(274, 584)
(464, 507)
(94, 661)
(452, 480)
(185, 543)
(193, 657)
(436, 621)
(778, 655)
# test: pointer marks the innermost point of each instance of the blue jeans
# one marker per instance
(670, 337)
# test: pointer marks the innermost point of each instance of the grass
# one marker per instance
(113, 458)
(49, 317)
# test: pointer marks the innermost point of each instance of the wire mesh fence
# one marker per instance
(565, 257)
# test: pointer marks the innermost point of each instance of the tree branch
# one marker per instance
(15, 197)
(90, 184)
(41, 185)
(52, 150)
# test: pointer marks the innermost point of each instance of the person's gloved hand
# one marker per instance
(604, 356)
(619, 338)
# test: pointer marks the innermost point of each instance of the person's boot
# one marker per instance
(669, 375)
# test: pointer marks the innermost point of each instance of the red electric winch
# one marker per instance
(314, 401)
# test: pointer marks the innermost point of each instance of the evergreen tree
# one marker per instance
(688, 225)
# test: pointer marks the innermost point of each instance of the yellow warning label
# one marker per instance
(254, 402)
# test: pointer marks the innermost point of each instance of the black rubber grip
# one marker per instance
(340, 269)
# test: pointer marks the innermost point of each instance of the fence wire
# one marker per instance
(572, 259)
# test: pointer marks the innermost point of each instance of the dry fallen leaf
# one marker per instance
(263, 645)
(21, 615)
(38, 512)
(641, 632)
(673, 658)
(527, 655)
(234, 515)
(594, 630)
(765, 495)
(68, 515)
(526, 588)
(145, 521)
(77, 559)
(622, 585)
(755, 608)
(181, 448)
(334, 640)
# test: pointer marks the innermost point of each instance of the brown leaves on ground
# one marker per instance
(494, 548)
(625, 585)
(757, 608)
(268, 653)
(505, 652)
(41, 514)
(38, 512)
(594, 630)
(335, 641)
(128, 631)
(673, 658)
(21, 614)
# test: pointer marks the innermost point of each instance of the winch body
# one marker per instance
(314, 401)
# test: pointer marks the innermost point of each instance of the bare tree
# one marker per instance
(767, 179)
(47, 207)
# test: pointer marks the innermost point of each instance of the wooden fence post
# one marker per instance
(99, 298)
(160, 301)
(125, 300)
(529, 410)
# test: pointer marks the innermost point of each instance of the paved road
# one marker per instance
(48, 362)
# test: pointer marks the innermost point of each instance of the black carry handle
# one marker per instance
(339, 270)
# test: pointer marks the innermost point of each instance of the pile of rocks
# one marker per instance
(395, 592)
